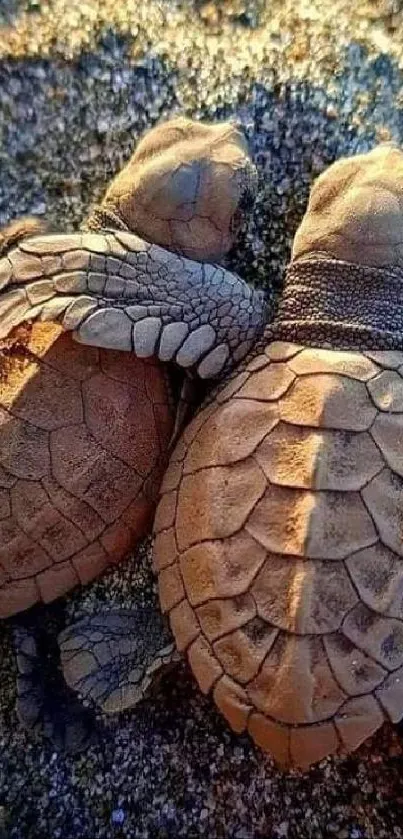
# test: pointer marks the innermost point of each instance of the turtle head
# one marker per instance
(186, 187)
(355, 211)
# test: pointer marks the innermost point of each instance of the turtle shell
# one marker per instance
(83, 437)
(279, 549)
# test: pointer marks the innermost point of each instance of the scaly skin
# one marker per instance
(117, 291)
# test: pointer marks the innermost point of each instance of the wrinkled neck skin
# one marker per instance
(330, 302)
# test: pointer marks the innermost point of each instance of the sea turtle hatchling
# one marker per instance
(84, 432)
(278, 535)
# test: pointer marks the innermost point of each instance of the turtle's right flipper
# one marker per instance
(45, 705)
(112, 658)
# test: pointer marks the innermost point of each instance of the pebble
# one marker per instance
(118, 816)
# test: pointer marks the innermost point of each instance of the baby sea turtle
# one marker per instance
(278, 536)
(84, 432)
(279, 531)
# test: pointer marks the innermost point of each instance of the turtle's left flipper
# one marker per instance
(45, 705)
(116, 291)
(19, 229)
(112, 658)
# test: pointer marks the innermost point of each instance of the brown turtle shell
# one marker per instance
(279, 549)
(83, 441)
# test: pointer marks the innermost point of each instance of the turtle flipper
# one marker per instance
(45, 705)
(112, 658)
(20, 229)
(116, 291)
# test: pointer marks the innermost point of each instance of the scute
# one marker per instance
(198, 516)
(30, 391)
(300, 457)
(74, 497)
(219, 617)
(224, 568)
(20, 557)
(204, 664)
(82, 466)
(356, 672)
(233, 703)
(386, 390)
(282, 350)
(295, 684)
(352, 364)
(379, 637)
(303, 596)
(242, 651)
(358, 719)
(378, 576)
(267, 384)
(18, 595)
(390, 695)
(39, 519)
(307, 746)
(387, 432)
(232, 434)
(316, 525)
(392, 358)
(112, 421)
(325, 401)
(383, 497)
(24, 448)
(271, 737)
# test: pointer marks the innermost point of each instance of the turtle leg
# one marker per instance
(45, 705)
(114, 290)
(113, 658)
(19, 229)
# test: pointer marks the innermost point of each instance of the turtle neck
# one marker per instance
(351, 306)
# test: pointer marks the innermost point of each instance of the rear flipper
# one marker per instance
(113, 658)
(45, 705)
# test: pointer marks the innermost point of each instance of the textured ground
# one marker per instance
(79, 82)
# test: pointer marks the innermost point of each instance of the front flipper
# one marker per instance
(12, 234)
(117, 291)
(113, 658)
(45, 705)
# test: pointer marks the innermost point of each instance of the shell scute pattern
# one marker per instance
(73, 496)
(285, 541)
